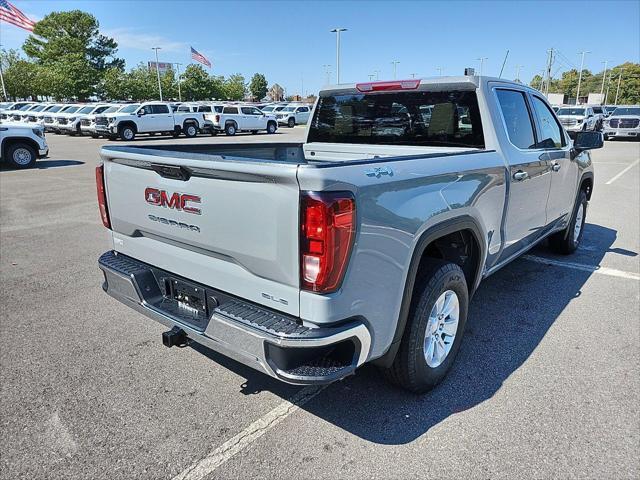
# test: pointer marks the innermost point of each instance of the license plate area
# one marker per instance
(190, 298)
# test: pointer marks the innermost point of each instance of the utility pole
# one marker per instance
(604, 74)
(395, 66)
(4, 90)
(549, 64)
(413, 75)
(580, 75)
(481, 60)
(518, 67)
(179, 91)
(327, 72)
(542, 79)
(337, 31)
(158, 70)
(377, 72)
(618, 89)
(371, 77)
(439, 70)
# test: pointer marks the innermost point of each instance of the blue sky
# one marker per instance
(290, 41)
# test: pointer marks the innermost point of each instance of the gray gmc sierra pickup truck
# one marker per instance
(363, 244)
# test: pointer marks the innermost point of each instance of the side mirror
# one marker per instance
(141, 112)
(587, 141)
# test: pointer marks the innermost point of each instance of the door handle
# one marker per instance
(520, 176)
(556, 167)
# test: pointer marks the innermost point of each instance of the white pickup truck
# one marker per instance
(149, 117)
(241, 118)
(22, 144)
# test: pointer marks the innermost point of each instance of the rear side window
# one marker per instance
(231, 110)
(550, 134)
(516, 117)
(218, 108)
(398, 118)
(159, 109)
(204, 108)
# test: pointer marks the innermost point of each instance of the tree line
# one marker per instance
(68, 59)
(628, 73)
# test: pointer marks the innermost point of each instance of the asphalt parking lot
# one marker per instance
(546, 383)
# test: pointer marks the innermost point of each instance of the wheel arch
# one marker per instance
(586, 184)
(128, 123)
(7, 142)
(427, 240)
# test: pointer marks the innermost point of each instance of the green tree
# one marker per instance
(234, 87)
(196, 83)
(258, 86)
(70, 44)
(629, 93)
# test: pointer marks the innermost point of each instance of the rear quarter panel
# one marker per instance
(393, 211)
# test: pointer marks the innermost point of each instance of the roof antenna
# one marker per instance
(504, 63)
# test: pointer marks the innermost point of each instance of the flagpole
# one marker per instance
(4, 90)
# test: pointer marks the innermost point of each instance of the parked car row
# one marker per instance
(126, 121)
(613, 121)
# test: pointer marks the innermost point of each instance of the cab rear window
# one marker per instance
(450, 118)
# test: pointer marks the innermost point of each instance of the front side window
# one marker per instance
(550, 135)
(247, 110)
(157, 109)
(516, 118)
(230, 110)
(204, 108)
(397, 118)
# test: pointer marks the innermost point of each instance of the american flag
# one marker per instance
(198, 57)
(10, 14)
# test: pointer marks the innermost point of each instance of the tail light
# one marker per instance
(102, 196)
(327, 232)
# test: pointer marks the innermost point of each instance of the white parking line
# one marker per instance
(622, 172)
(253, 432)
(612, 272)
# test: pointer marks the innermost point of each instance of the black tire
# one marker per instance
(94, 135)
(253, 132)
(410, 369)
(271, 127)
(230, 129)
(127, 133)
(568, 240)
(291, 122)
(190, 130)
(213, 132)
(21, 155)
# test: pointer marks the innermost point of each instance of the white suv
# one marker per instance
(240, 118)
(293, 115)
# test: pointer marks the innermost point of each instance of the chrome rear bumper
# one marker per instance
(268, 341)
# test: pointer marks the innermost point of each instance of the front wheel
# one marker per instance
(271, 127)
(568, 240)
(127, 133)
(291, 122)
(434, 328)
(21, 155)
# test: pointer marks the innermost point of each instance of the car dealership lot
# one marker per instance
(545, 384)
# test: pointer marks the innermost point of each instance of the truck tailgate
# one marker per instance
(243, 240)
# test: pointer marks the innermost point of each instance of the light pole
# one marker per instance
(371, 77)
(481, 60)
(518, 67)
(604, 75)
(413, 75)
(327, 72)
(158, 70)
(439, 70)
(179, 91)
(4, 90)
(395, 67)
(337, 31)
(580, 76)
(377, 72)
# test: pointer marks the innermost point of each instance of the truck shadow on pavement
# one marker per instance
(509, 316)
(44, 164)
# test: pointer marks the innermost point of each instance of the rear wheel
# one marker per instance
(190, 130)
(230, 129)
(434, 328)
(291, 122)
(271, 127)
(568, 240)
(21, 155)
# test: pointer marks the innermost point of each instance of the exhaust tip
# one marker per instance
(176, 337)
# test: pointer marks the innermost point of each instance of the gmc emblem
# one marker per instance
(177, 201)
